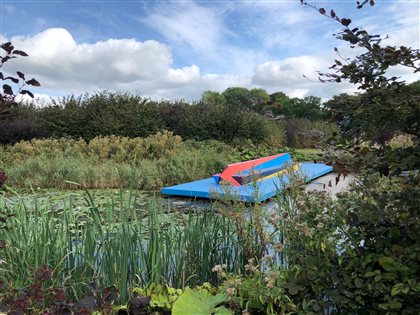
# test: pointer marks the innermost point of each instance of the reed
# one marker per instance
(116, 243)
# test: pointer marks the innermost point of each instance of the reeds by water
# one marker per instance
(113, 244)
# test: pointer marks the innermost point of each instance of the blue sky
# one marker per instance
(178, 49)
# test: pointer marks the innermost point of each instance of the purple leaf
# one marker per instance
(20, 52)
(27, 92)
(7, 89)
(21, 75)
(33, 82)
(14, 80)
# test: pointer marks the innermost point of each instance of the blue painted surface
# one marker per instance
(259, 191)
(276, 162)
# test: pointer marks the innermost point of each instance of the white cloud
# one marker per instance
(202, 32)
(287, 75)
(199, 27)
(64, 66)
(182, 76)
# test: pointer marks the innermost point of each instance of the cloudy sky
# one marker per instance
(178, 49)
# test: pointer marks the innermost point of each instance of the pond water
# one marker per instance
(102, 197)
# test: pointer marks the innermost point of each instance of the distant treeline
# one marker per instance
(237, 113)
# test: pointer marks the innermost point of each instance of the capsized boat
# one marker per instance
(250, 181)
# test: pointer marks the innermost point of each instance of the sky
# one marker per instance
(179, 49)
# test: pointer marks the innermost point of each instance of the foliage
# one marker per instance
(3, 178)
(377, 115)
(368, 70)
(213, 98)
(161, 297)
(304, 133)
(8, 96)
(127, 115)
(100, 114)
(134, 248)
(400, 154)
(238, 97)
(113, 162)
(203, 302)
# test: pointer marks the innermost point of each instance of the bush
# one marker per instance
(126, 115)
(21, 124)
(101, 114)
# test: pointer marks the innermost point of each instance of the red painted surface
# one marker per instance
(235, 168)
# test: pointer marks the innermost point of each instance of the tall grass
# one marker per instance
(112, 162)
(113, 244)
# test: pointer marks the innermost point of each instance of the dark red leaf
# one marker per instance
(7, 47)
(345, 22)
(21, 53)
(14, 80)
(332, 13)
(27, 92)
(21, 75)
(137, 304)
(4, 59)
(109, 294)
(2, 244)
(372, 3)
(33, 82)
(322, 11)
(7, 89)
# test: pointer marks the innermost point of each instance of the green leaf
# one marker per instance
(394, 233)
(358, 283)
(388, 263)
(370, 274)
(193, 302)
(395, 305)
(396, 289)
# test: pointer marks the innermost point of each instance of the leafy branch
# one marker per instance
(8, 95)
(368, 70)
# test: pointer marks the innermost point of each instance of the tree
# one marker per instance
(259, 98)
(238, 97)
(279, 102)
(213, 98)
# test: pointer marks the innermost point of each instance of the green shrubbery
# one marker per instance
(127, 115)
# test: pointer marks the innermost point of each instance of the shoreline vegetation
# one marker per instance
(120, 162)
